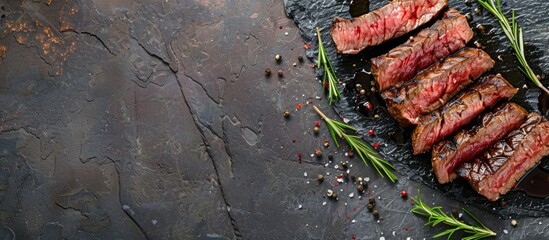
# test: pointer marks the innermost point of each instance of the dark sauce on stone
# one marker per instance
(535, 183)
(359, 7)
(369, 102)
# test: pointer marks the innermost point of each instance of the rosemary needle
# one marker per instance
(515, 35)
(383, 167)
(436, 216)
(329, 78)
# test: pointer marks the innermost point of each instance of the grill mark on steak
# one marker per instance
(467, 144)
(392, 20)
(434, 86)
(498, 169)
(425, 48)
(460, 111)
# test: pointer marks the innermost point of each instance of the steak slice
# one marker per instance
(392, 20)
(431, 88)
(498, 170)
(446, 36)
(448, 155)
(460, 111)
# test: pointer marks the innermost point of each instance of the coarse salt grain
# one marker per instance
(505, 231)
(305, 174)
(323, 203)
(351, 195)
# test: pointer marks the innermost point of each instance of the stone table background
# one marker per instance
(154, 120)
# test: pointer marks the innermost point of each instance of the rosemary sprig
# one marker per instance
(339, 129)
(329, 78)
(436, 215)
(515, 35)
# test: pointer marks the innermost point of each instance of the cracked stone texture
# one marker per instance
(154, 120)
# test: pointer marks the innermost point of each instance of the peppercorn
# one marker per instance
(376, 146)
(345, 175)
(330, 193)
(320, 178)
(359, 179)
(404, 194)
(300, 58)
(286, 113)
(478, 11)
(478, 44)
(360, 188)
(350, 154)
(372, 200)
(362, 92)
(344, 164)
(315, 130)
(370, 207)
(268, 72)
(330, 156)
(326, 143)
(481, 27)
(375, 213)
(371, 132)
(353, 178)
(514, 223)
(278, 58)
(318, 152)
(280, 73)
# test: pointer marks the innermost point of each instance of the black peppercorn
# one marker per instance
(372, 200)
(280, 73)
(375, 213)
(370, 207)
(268, 72)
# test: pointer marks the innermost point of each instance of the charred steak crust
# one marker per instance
(467, 144)
(392, 20)
(455, 114)
(444, 37)
(497, 170)
(434, 86)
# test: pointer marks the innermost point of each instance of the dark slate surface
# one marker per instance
(389, 134)
(154, 120)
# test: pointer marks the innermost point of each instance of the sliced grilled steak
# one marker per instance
(393, 20)
(497, 170)
(434, 86)
(460, 111)
(427, 47)
(448, 155)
